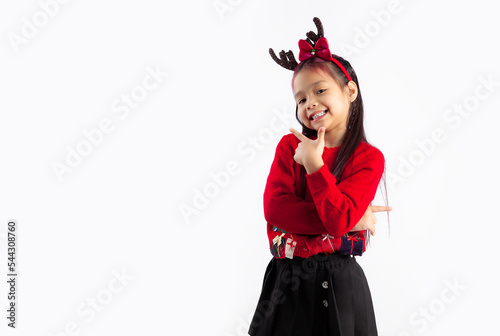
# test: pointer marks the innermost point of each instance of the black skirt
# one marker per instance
(315, 296)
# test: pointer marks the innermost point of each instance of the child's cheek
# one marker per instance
(304, 118)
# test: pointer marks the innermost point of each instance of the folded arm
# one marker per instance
(335, 209)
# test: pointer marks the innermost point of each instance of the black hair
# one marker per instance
(355, 120)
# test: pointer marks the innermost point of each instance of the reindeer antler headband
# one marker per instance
(320, 49)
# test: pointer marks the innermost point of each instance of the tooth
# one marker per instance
(318, 115)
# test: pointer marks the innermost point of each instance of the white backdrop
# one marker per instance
(136, 138)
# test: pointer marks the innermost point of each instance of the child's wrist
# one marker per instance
(313, 167)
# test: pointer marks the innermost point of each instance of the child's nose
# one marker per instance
(311, 104)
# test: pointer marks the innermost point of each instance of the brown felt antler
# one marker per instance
(286, 60)
(312, 38)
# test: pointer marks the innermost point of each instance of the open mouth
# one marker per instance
(318, 115)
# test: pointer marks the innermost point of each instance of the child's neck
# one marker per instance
(334, 138)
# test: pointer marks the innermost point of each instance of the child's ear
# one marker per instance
(353, 90)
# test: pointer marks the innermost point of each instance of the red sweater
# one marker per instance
(329, 207)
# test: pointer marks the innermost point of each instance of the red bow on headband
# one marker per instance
(321, 50)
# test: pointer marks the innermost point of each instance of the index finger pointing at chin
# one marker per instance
(299, 135)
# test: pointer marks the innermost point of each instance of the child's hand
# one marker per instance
(309, 152)
(368, 221)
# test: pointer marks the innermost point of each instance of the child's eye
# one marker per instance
(321, 90)
(301, 101)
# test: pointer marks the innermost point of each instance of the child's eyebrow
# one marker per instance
(317, 82)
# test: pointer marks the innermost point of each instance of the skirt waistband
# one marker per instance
(320, 261)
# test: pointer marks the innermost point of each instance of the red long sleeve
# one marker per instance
(328, 207)
(282, 207)
(341, 206)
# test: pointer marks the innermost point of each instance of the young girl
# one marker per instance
(317, 205)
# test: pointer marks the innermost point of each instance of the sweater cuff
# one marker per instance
(323, 176)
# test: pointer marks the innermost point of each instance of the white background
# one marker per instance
(119, 209)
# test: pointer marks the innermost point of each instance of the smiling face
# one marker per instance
(321, 101)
